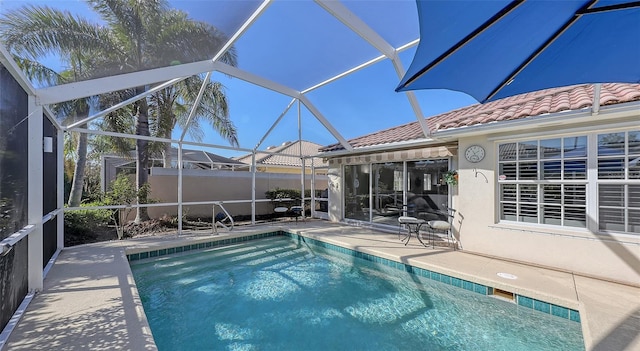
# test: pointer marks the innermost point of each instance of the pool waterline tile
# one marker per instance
(542, 306)
(435, 276)
(560, 311)
(574, 316)
(525, 301)
(480, 289)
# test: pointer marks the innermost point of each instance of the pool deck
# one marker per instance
(90, 302)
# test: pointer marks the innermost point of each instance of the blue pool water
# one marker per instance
(279, 294)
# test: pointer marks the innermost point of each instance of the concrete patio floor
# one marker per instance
(90, 301)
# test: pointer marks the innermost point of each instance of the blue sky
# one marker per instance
(283, 50)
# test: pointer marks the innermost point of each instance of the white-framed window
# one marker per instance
(548, 181)
(619, 181)
(544, 181)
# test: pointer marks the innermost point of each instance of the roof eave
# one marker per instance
(381, 147)
(554, 119)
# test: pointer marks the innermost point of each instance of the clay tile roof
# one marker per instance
(287, 154)
(409, 131)
(531, 104)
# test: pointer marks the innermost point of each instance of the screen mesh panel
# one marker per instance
(13, 192)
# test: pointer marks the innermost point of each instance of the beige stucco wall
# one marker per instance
(615, 257)
(207, 185)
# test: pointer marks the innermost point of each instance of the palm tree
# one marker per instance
(138, 35)
(57, 34)
(170, 108)
(154, 36)
(77, 110)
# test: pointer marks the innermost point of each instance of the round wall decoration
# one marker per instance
(474, 153)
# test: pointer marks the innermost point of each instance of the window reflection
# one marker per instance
(550, 148)
(611, 144)
(507, 152)
(575, 147)
(356, 188)
(528, 150)
(427, 193)
(387, 192)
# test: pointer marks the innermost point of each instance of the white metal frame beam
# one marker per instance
(413, 101)
(349, 19)
(72, 91)
(257, 80)
(86, 88)
(124, 103)
(345, 73)
(243, 28)
(162, 140)
(277, 87)
(195, 105)
(78, 90)
(360, 66)
(268, 84)
(275, 124)
(6, 59)
(323, 120)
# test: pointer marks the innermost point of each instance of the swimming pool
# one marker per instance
(281, 294)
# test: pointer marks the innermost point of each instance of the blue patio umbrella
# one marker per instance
(494, 49)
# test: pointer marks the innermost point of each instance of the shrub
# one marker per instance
(282, 194)
(81, 226)
(123, 192)
(286, 194)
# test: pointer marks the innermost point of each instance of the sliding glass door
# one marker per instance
(381, 192)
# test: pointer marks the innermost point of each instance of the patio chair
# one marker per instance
(296, 211)
(439, 226)
(279, 210)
